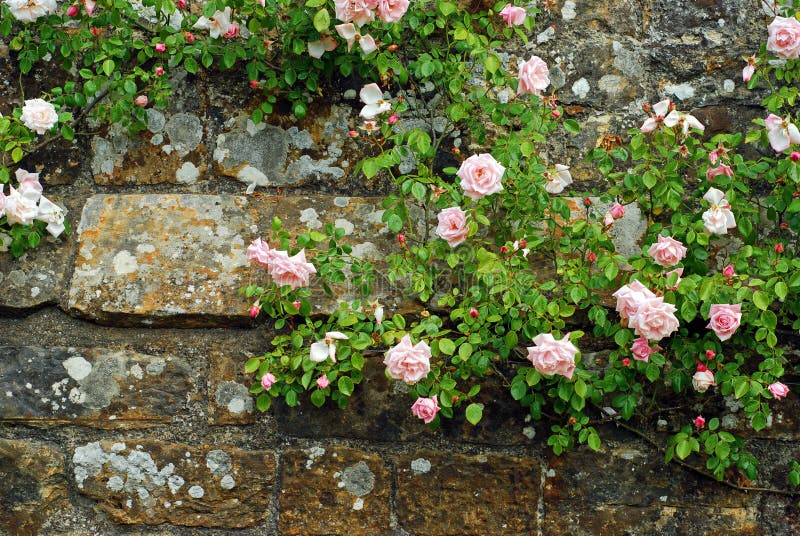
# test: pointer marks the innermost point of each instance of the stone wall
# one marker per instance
(123, 404)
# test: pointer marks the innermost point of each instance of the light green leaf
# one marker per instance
(474, 413)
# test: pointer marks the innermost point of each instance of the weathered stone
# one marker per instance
(229, 398)
(148, 481)
(350, 492)
(454, 494)
(92, 386)
(163, 259)
(33, 486)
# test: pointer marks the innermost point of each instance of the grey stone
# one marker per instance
(358, 479)
(185, 132)
(155, 120)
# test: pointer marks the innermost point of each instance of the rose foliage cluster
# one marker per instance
(506, 269)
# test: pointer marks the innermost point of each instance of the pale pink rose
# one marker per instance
(141, 100)
(534, 77)
(722, 169)
(89, 5)
(392, 10)
(408, 362)
(217, 25)
(713, 156)
(702, 380)
(52, 214)
(325, 44)
(357, 11)
(718, 218)
(654, 319)
(684, 121)
(781, 133)
(260, 253)
(372, 97)
(630, 296)
(747, 72)
(39, 115)
(30, 10)
(20, 208)
(426, 408)
(28, 182)
(268, 380)
(678, 271)
(778, 390)
(724, 319)
(784, 37)
(294, 271)
(232, 32)
(608, 219)
(667, 251)
(452, 226)
(326, 348)
(660, 110)
(481, 175)
(641, 349)
(617, 211)
(513, 15)
(2, 201)
(558, 180)
(728, 271)
(550, 356)
(323, 382)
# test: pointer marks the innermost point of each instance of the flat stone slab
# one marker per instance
(95, 387)
(334, 490)
(163, 260)
(154, 482)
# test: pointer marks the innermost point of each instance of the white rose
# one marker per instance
(20, 208)
(52, 214)
(39, 115)
(30, 10)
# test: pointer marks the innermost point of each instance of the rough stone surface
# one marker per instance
(350, 494)
(91, 386)
(153, 482)
(229, 398)
(465, 495)
(33, 486)
(162, 259)
(37, 278)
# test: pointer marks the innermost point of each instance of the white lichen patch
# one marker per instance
(310, 217)
(77, 367)
(137, 372)
(581, 88)
(251, 175)
(196, 492)
(187, 173)
(125, 263)
(529, 432)
(76, 396)
(236, 405)
(359, 504)
(227, 482)
(681, 91)
(420, 465)
(568, 11)
(344, 224)
(115, 483)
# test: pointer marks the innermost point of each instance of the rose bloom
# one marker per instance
(702, 380)
(357, 11)
(294, 271)
(724, 319)
(408, 362)
(784, 37)
(728, 271)
(781, 132)
(39, 115)
(667, 251)
(20, 208)
(392, 10)
(722, 169)
(325, 44)
(699, 421)
(426, 408)
(260, 253)
(2, 202)
(534, 77)
(30, 10)
(778, 390)
(654, 319)
(481, 175)
(217, 25)
(641, 349)
(556, 182)
(550, 356)
(617, 211)
(52, 214)
(452, 226)
(660, 110)
(28, 182)
(268, 380)
(141, 100)
(323, 382)
(719, 218)
(513, 15)
(630, 296)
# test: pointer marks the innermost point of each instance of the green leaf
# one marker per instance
(447, 346)
(346, 385)
(464, 351)
(491, 64)
(318, 398)
(683, 449)
(594, 441)
(291, 398)
(252, 365)
(322, 20)
(108, 67)
(572, 126)
(190, 64)
(474, 413)
(761, 299)
(263, 402)
(580, 388)
(781, 290)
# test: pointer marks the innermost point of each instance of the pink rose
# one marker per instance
(39, 115)
(161, 47)
(654, 319)
(667, 251)
(724, 319)
(141, 100)
(778, 390)
(660, 110)
(426, 408)
(722, 169)
(678, 271)
(617, 211)
(481, 175)
(630, 296)
(784, 37)
(408, 362)
(728, 271)
(233, 31)
(550, 356)
(268, 380)
(392, 10)
(702, 380)
(325, 44)
(28, 182)
(513, 15)
(781, 132)
(20, 208)
(747, 73)
(452, 226)
(699, 421)
(323, 382)
(294, 271)
(641, 349)
(357, 11)
(534, 76)
(259, 253)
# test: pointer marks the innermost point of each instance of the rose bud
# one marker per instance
(72, 11)
(159, 71)
(711, 354)
(254, 310)
(141, 100)
(473, 313)
(161, 47)
(795, 156)
(778, 248)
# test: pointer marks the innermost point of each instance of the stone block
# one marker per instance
(33, 486)
(147, 481)
(334, 490)
(163, 260)
(455, 494)
(95, 387)
(229, 398)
